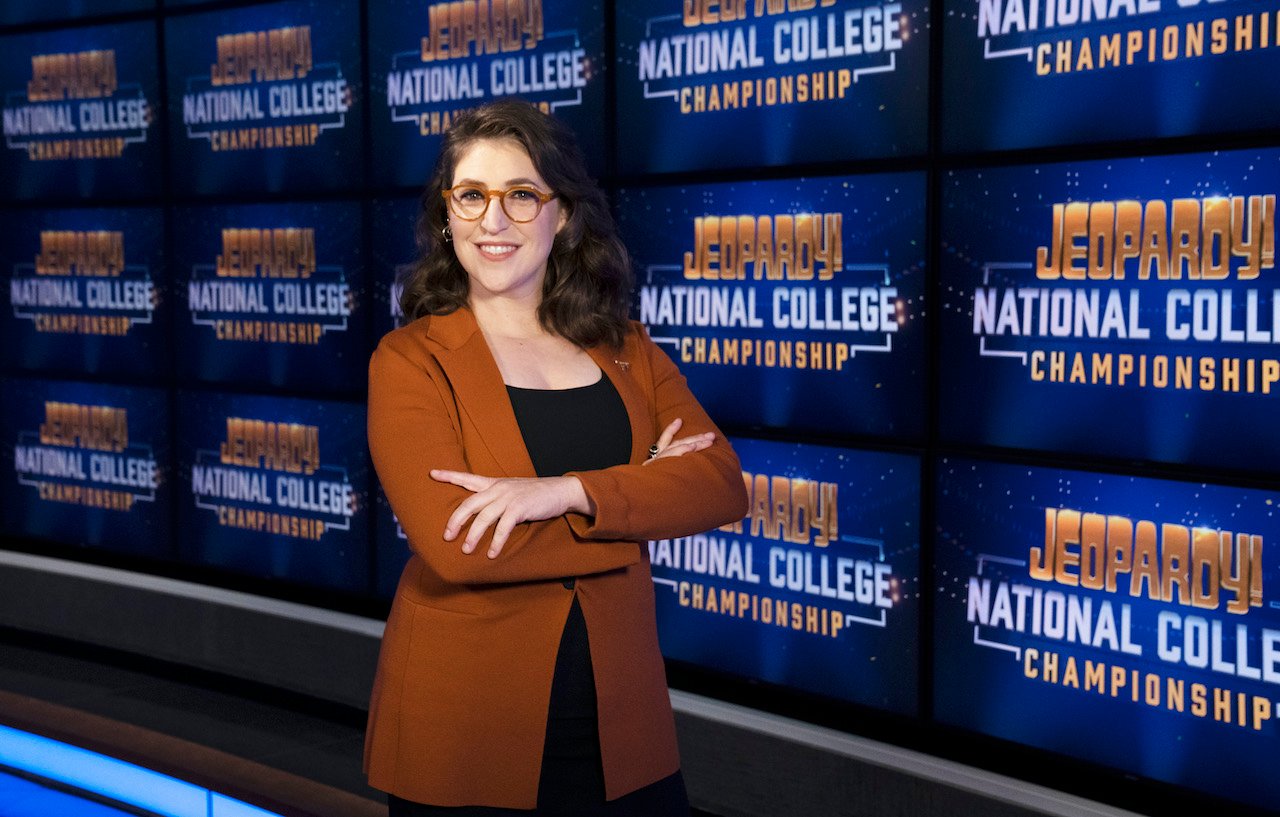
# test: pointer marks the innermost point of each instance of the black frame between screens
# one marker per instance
(921, 732)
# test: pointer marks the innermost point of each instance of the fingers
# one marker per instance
(472, 482)
(686, 445)
(689, 445)
(479, 525)
(707, 437)
(484, 508)
(501, 531)
(669, 433)
(503, 505)
(507, 518)
(463, 512)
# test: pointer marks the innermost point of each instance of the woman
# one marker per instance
(524, 432)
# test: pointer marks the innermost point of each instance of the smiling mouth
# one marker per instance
(496, 252)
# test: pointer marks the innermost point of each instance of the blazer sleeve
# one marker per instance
(412, 431)
(670, 496)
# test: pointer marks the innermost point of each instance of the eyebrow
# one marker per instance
(510, 182)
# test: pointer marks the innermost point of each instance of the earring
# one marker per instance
(448, 235)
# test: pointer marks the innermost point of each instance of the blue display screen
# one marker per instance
(1123, 308)
(85, 292)
(394, 222)
(89, 465)
(430, 62)
(1071, 606)
(275, 487)
(790, 304)
(265, 98)
(816, 589)
(272, 294)
(29, 11)
(80, 109)
(1042, 72)
(706, 85)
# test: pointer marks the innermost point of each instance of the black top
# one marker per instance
(580, 429)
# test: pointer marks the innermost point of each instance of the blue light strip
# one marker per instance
(115, 779)
(222, 806)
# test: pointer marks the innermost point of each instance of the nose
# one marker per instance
(495, 218)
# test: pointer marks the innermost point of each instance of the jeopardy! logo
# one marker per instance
(81, 455)
(1156, 294)
(819, 581)
(266, 286)
(75, 107)
(734, 55)
(484, 48)
(1072, 36)
(1158, 613)
(80, 284)
(265, 92)
(771, 291)
(267, 476)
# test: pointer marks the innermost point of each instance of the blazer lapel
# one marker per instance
(479, 390)
(620, 367)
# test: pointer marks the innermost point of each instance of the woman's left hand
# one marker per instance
(505, 503)
(668, 446)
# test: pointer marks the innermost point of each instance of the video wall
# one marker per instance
(982, 291)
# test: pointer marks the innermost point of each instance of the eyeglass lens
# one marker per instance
(519, 203)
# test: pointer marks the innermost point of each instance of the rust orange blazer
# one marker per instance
(459, 708)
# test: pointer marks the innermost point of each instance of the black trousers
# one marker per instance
(572, 779)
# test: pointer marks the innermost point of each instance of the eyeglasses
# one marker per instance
(521, 203)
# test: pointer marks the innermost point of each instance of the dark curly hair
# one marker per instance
(586, 293)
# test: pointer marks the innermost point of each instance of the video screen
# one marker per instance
(80, 105)
(1117, 619)
(394, 250)
(793, 304)
(816, 589)
(431, 61)
(85, 292)
(1124, 308)
(265, 98)
(272, 294)
(738, 85)
(14, 12)
(274, 487)
(90, 465)
(1042, 72)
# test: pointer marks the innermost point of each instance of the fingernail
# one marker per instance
(467, 547)
(493, 554)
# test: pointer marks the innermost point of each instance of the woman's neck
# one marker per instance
(528, 355)
(507, 318)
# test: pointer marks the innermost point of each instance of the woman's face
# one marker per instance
(503, 258)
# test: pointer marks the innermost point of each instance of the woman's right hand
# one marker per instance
(668, 446)
(507, 502)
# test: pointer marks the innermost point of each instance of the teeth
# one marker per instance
(498, 249)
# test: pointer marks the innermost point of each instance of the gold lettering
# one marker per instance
(71, 252)
(284, 252)
(291, 447)
(103, 428)
(81, 75)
